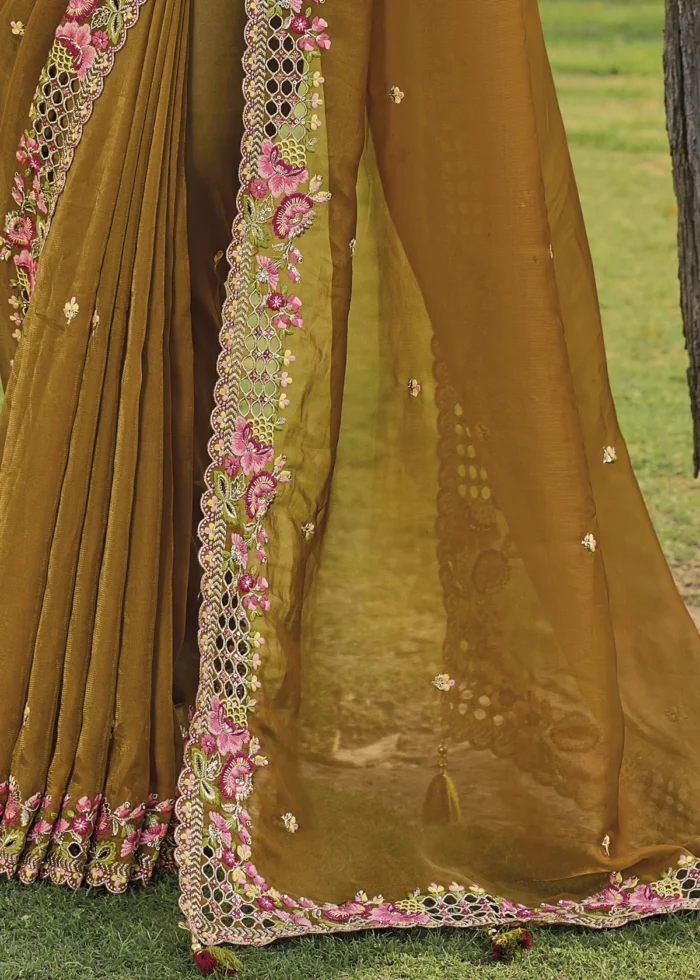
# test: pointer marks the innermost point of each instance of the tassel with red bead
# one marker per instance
(506, 946)
(217, 960)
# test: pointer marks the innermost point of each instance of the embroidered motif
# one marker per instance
(606, 845)
(590, 543)
(352, 245)
(82, 55)
(17, 28)
(414, 389)
(70, 842)
(396, 95)
(71, 309)
(443, 682)
(290, 823)
(609, 454)
(217, 258)
(308, 531)
(25, 716)
(94, 323)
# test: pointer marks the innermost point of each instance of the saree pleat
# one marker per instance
(98, 716)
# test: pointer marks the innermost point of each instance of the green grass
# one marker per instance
(607, 57)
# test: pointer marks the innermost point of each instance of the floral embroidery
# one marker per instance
(609, 454)
(352, 245)
(17, 28)
(25, 715)
(396, 95)
(94, 323)
(83, 53)
(414, 389)
(606, 845)
(290, 822)
(443, 682)
(71, 309)
(223, 895)
(308, 531)
(590, 543)
(217, 258)
(83, 840)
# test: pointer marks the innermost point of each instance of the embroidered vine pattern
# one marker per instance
(83, 53)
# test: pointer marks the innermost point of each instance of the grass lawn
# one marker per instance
(607, 58)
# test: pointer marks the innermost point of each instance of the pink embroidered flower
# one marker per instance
(389, 914)
(61, 827)
(81, 824)
(103, 824)
(267, 271)
(100, 40)
(76, 39)
(138, 812)
(230, 737)
(123, 811)
(293, 302)
(300, 24)
(253, 455)
(25, 263)
(307, 42)
(39, 196)
(229, 857)
(246, 582)
(258, 188)
(259, 494)
(40, 827)
(293, 216)
(18, 190)
(153, 833)
(232, 465)
(11, 811)
(84, 804)
(28, 152)
(33, 802)
(266, 903)
(80, 9)
(235, 776)
(276, 301)
(130, 843)
(208, 744)
(239, 551)
(323, 41)
(319, 24)
(282, 177)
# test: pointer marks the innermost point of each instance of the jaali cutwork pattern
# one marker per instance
(224, 897)
(85, 839)
(83, 53)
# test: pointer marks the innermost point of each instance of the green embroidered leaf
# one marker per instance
(12, 842)
(105, 853)
(199, 763)
(222, 485)
(100, 18)
(115, 28)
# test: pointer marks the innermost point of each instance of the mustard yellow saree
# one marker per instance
(309, 462)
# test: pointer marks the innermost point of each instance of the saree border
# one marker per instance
(85, 46)
(223, 896)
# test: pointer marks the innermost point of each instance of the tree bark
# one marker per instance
(682, 70)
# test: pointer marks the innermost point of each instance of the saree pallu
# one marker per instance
(444, 677)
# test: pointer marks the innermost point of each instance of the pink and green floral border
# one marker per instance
(44, 835)
(85, 46)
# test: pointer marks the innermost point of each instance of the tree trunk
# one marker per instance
(682, 68)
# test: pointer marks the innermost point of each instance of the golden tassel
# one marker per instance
(441, 806)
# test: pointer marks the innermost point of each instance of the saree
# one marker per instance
(324, 572)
